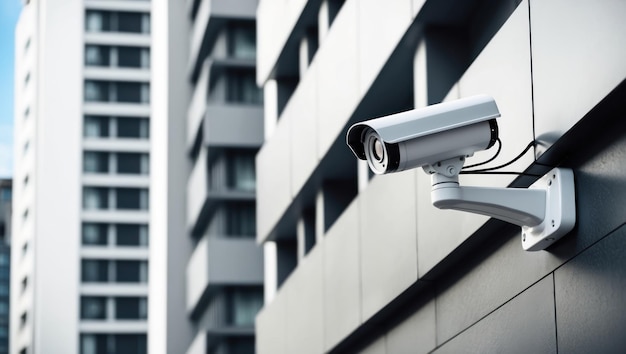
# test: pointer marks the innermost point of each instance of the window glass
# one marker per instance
(95, 198)
(243, 41)
(93, 344)
(242, 87)
(131, 308)
(132, 235)
(97, 21)
(4, 259)
(4, 289)
(97, 55)
(131, 198)
(241, 172)
(129, 57)
(95, 234)
(93, 307)
(245, 305)
(240, 219)
(96, 162)
(129, 162)
(96, 91)
(130, 344)
(96, 126)
(129, 272)
(132, 128)
(95, 270)
(129, 22)
(129, 92)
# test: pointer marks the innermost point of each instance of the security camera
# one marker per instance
(426, 136)
(438, 138)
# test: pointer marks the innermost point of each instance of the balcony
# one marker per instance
(212, 69)
(204, 339)
(117, 73)
(117, 109)
(203, 201)
(233, 125)
(217, 262)
(210, 17)
(118, 38)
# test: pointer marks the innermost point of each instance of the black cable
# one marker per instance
(498, 173)
(530, 145)
(491, 159)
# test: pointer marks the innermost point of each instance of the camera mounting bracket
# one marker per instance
(546, 211)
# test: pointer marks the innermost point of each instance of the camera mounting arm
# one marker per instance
(545, 211)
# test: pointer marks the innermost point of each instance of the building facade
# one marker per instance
(362, 263)
(208, 126)
(5, 261)
(82, 162)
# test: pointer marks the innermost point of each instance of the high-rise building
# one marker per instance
(207, 128)
(5, 262)
(362, 263)
(81, 191)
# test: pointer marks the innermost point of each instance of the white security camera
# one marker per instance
(426, 136)
(438, 138)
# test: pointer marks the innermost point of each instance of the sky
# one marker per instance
(9, 11)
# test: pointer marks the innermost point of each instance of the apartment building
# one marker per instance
(207, 128)
(81, 196)
(362, 263)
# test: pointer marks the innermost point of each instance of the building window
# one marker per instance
(131, 308)
(242, 41)
(241, 172)
(131, 198)
(113, 343)
(240, 219)
(96, 162)
(240, 345)
(244, 305)
(95, 198)
(96, 127)
(94, 271)
(117, 21)
(96, 91)
(132, 92)
(4, 290)
(131, 271)
(129, 57)
(97, 55)
(242, 87)
(95, 234)
(93, 307)
(133, 128)
(126, 92)
(131, 235)
(117, 56)
(132, 163)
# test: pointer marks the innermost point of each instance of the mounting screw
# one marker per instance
(552, 223)
(549, 182)
(524, 237)
(451, 170)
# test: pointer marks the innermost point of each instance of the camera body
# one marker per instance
(426, 136)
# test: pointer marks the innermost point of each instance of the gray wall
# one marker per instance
(395, 275)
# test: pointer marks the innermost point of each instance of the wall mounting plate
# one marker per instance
(560, 216)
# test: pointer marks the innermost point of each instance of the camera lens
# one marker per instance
(377, 150)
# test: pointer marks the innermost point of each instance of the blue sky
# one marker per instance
(9, 11)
